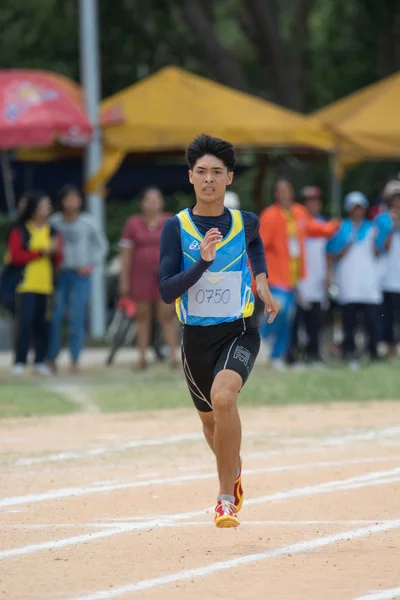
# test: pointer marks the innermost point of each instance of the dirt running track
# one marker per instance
(99, 507)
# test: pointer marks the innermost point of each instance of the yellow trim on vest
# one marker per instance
(248, 309)
(188, 256)
(237, 226)
(233, 262)
(178, 309)
(188, 226)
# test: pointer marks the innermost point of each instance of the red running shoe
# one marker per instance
(225, 514)
(238, 489)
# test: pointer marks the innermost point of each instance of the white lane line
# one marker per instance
(298, 548)
(366, 436)
(376, 478)
(71, 492)
(167, 520)
(336, 440)
(383, 595)
(73, 455)
(127, 521)
(351, 436)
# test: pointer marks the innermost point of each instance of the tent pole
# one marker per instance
(90, 76)
(336, 186)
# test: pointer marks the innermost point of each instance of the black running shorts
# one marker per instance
(208, 350)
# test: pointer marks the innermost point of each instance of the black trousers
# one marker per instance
(391, 316)
(32, 326)
(311, 319)
(368, 314)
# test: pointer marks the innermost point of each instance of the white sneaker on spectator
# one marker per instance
(278, 364)
(18, 370)
(42, 369)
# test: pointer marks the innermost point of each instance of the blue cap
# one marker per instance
(354, 199)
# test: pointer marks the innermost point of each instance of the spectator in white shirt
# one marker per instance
(356, 273)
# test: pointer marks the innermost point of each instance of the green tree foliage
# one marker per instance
(301, 54)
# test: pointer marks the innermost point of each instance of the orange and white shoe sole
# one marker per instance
(226, 521)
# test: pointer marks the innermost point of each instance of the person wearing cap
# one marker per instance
(353, 265)
(388, 249)
(284, 227)
(311, 290)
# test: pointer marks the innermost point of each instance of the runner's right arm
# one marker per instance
(174, 282)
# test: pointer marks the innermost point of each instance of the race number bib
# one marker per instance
(294, 247)
(216, 295)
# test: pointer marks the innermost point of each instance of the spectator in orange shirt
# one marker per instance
(284, 227)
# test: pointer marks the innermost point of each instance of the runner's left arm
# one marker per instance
(255, 246)
(174, 282)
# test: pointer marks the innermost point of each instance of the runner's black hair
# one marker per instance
(206, 144)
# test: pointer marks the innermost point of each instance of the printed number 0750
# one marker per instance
(216, 296)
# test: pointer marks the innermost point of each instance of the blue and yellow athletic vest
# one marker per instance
(223, 293)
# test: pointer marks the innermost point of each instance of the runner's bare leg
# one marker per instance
(228, 428)
(207, 418)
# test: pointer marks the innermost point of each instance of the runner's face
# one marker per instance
(210, 177)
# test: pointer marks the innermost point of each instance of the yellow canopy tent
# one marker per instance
(166, 110)
(365, 124)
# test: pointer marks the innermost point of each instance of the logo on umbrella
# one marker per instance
(24, 95)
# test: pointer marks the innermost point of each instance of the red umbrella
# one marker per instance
(38, 108)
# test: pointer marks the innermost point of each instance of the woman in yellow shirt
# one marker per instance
(34, 250)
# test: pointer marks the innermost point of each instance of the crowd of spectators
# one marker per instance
(317, 267)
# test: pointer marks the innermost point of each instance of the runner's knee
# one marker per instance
(223, 400)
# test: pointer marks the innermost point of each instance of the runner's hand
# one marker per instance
(208, 247)
(264, 293)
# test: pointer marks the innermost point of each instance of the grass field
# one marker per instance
(25, 399)
(117, 390)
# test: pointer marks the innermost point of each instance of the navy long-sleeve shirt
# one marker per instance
(173, 282)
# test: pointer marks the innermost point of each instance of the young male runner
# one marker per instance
(204, 268)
